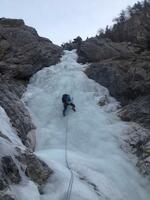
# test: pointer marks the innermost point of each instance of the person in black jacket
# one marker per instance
(67, 101)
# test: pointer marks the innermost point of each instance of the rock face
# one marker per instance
(22, 53)
(137, 142)
(127, 79)
(19, 115)
(95, 50)
(124, 71)
(138, 110)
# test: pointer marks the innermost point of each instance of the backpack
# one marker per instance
(66, 98)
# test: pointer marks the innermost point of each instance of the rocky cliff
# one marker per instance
(132, 25)
(22, 53)
(124, 71)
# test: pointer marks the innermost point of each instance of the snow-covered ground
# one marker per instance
(101, 170)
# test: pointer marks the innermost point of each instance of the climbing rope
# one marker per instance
(69, 190)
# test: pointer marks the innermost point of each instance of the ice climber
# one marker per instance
(67, 101)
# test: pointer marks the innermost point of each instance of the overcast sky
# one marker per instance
(63, 20)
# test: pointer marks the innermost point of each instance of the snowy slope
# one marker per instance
(101, 170)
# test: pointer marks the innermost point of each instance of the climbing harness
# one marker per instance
(69, 190)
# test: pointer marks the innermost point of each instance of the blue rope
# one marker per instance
(69, 190)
